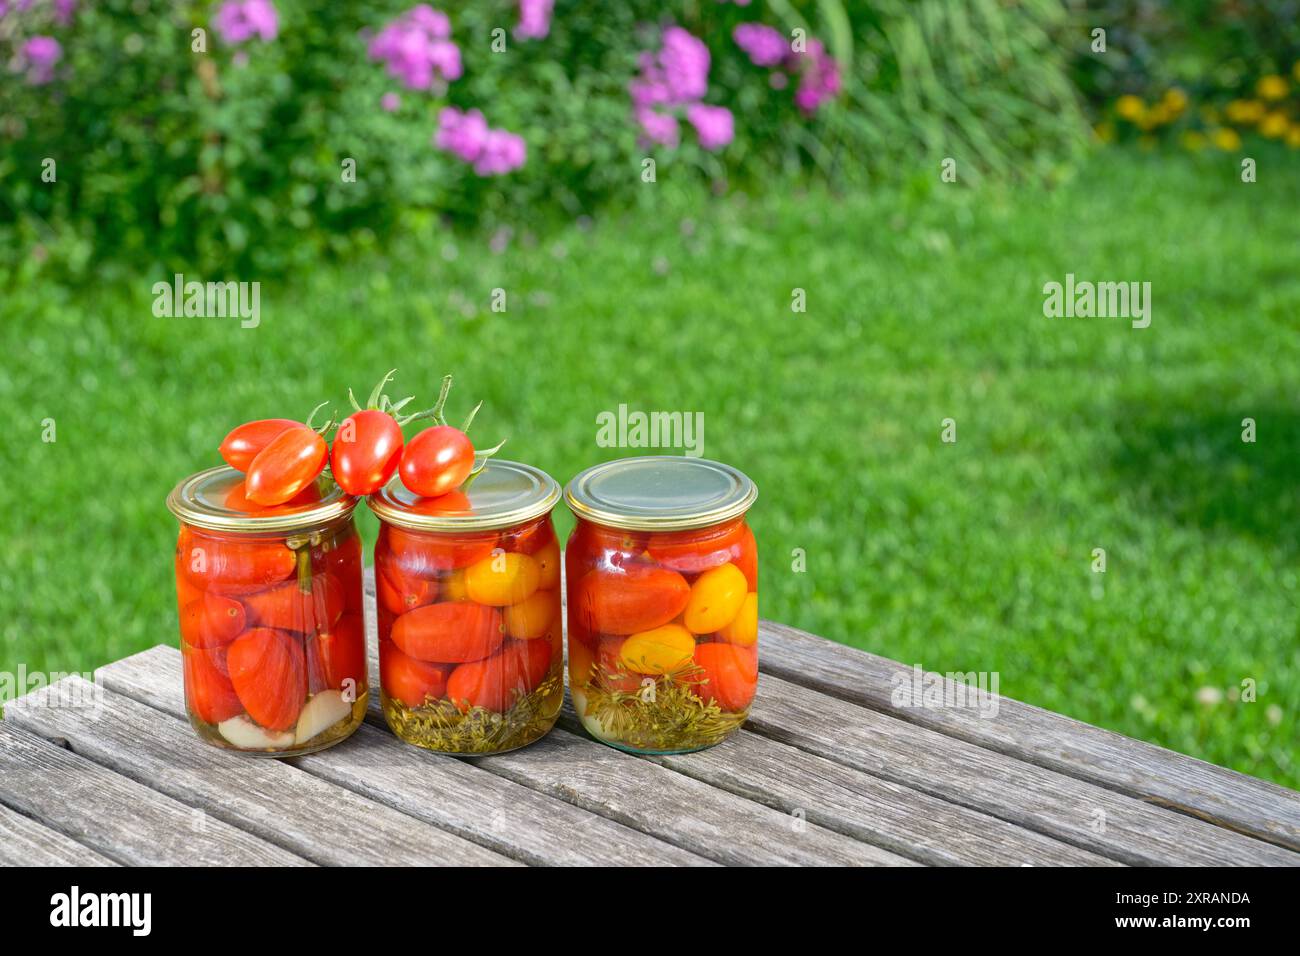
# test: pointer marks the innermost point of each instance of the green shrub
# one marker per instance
(231, 160)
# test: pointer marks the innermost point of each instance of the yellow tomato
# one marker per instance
(532, 616)
(501, 579)
(743, 629)
(548, 566)
(452, 587)
(658, 651)
(715, 598)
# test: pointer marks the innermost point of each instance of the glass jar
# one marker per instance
(467, 588)
(662, 578)
(273, 638)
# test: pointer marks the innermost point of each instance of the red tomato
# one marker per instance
(237, 499)
(745, 556)
(208, 691)
(497, 682)
(288, 608)
(344, 562)
(730, 675)
(243, 443)
(339, 654)
(399, 592)
(437, 460)
(211, 620)
(367, 449)
(452, 632)
(407, 679)
(596, 546)
(453, 502)
(530, 539)
(693, 552)
(629, 600)
(610, 671)
(425, 555)
(269, 672)
(289, 462)
(232, 565)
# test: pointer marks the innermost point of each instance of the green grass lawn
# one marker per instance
(923, 303)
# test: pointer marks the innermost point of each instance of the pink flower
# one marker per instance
(417, 48)
(659, 127)
(238, 21)
(492, 152)
(713, 124)
(684, 60)
(38, 55)
(677, 77)
(534, 19)
(390, 102)
(819, 78)
(765, 46)
(64, 11)
(502, 152)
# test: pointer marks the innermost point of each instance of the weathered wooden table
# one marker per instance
(829, 770)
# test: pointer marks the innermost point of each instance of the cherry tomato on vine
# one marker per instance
(286, 466)
(367, 450)
(437, 460)
(237, 499)
(244, 441)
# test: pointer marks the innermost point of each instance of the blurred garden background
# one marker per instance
(382, 168)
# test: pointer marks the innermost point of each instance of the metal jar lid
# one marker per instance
(202, 500)
(504, 494)
(660, 493)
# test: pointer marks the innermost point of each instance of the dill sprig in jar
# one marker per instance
(662, 580)
(468, 595)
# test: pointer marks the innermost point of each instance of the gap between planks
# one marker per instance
(1134, 768)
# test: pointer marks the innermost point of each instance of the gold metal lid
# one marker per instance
(208, 500)
(660, 493)
(504, 494)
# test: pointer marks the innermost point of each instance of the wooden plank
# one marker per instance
(1022, 793)
(25, 842)
(677, 808)
(840, 798)
(444, 791)
(117, 817)
(314, 818)
(1154, 774)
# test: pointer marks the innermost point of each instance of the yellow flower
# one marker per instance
(1226, 139)
(1193, 140)
(1175, 100)
(1293, 136)
(1158, 115)
(1130, 107)
(1274, 125)
(1245, 111)
(1104, 131)
(1271, 87)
